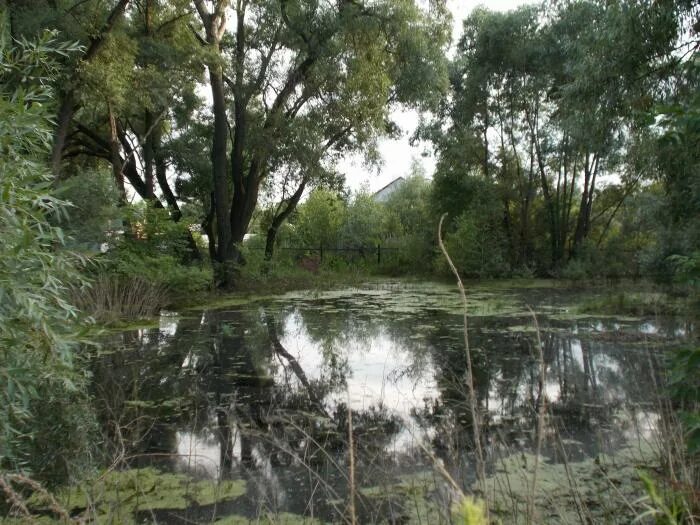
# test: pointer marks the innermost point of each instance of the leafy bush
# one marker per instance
(319, 220)
(93, 208)
(475, 247)
(152, 256)
(409, 229)
(686, 268)
(45, 425)
(576, 270)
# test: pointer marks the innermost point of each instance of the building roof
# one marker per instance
(383, 193)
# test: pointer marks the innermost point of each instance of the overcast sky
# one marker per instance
(398, 154)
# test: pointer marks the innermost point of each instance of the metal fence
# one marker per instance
(376, 252)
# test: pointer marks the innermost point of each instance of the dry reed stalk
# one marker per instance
(541, 413)
(581, 509)
(351, 447)
(302, 461)
(671, 444)
(55, 507)
(480, 469)
(15, 499)
(437, 463)
(112, 297)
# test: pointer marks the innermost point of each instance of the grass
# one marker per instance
(115, 298)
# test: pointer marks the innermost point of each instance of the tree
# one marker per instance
(310, 70)
(294, 182)
(320, 219)
(409, 224)
(546, 105)
(679, 166)
(94, 28)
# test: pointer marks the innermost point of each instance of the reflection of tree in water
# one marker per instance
(588, 384)
(228, 376)
(140, 391)
(585, 385)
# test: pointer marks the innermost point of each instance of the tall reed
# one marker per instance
(112, 298)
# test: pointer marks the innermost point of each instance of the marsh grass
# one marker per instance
(115, 298)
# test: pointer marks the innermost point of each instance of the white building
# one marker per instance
(383, 194)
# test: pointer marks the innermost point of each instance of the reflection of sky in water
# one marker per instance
(167, 324)
(379, 373)
(649, 328)
(377, 365)
(401, 373)
(198, 453)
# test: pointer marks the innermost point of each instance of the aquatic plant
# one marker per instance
(470, 511)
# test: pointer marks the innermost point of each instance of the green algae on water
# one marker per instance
(123, 493)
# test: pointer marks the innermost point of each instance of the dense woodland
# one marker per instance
(154, 151)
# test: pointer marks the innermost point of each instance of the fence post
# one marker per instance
(320, 251)
(379, 253)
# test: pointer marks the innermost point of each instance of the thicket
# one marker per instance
(46, 419)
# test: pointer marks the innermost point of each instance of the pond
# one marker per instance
(241, 413)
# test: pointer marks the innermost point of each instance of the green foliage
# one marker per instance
(666, 506)
(156, 250)
(45, 424)
(93, 211)
(546, 105)
(470, 511)
(684, 384)
(409, 227)
(475, 247)
(320, 219)
(612, 259)
(363, 222)
(475, 239)
(686, 267)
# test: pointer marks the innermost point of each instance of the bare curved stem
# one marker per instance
(476, 420)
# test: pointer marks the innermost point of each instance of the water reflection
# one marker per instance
(264, 391)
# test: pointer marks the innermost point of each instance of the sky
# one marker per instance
(397, 154)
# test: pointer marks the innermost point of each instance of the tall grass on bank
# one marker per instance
(113, 298)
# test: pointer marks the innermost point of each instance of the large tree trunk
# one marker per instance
(63, 121)
(149, 153)
(208, 227)
(226, 253)
(116, 159)
(554, 234)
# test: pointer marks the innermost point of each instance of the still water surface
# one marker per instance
(261, 391)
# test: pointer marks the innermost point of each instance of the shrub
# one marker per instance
(44, 424)
(475, 247)
(93, 208)
(147, 267)
(684, 383)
